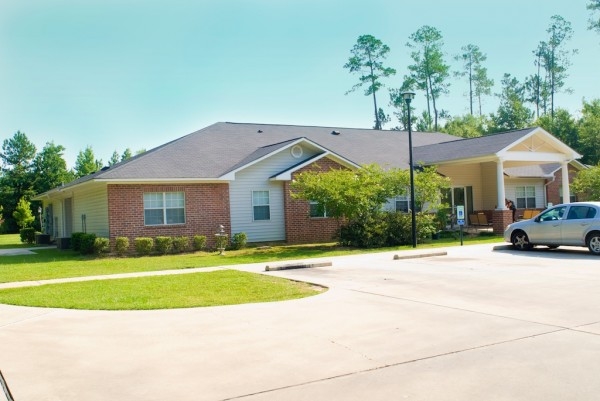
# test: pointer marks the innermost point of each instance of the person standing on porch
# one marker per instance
(511, 206)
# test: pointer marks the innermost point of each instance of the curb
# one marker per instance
(289, 266)
(420, 255)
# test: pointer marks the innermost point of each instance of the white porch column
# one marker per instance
(500, 185)
(566, 192)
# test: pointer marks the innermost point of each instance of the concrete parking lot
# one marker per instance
(475, 324)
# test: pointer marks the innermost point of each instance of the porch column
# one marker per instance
(500, 185)
(566, 192)
(501, 217)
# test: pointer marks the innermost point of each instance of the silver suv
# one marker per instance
(575, 224)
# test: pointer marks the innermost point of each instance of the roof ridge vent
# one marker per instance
(335, 132)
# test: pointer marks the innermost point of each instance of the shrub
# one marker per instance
(199, 242)
(386, 229)
(76, 241)
(121, 245)
(101, 246)
(143, 245)
(86, 245)
(180, 244)
(27, 235)
(239, 240)
(163, 245)
(366, 232)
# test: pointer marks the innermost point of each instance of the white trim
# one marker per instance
(268, 204)
(287, 174)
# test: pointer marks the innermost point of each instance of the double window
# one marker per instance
(163, 208)
(261, 205)
(317, 209)
(525, 196)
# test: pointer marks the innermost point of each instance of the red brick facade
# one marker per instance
(299, 226)
(206, 206)
(553, 189)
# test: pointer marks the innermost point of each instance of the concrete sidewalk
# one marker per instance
(472, 325)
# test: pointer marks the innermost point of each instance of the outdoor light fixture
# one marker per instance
(40, 214)
(408, 97)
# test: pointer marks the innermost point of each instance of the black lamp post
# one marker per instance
(408, 97)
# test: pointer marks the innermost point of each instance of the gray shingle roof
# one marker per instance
(467, 148)
(222, 147)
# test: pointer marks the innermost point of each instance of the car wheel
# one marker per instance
(520, 241)
(593, 242)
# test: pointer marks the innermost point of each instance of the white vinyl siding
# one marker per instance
(513, 193)
(90, 212)
(256, 178)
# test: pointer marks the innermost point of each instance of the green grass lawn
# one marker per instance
(169, 291)
(225, 287)
(12, 241)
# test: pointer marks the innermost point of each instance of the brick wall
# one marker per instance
(501, 219)
(553, 191)
(206, 206)
(299, 227)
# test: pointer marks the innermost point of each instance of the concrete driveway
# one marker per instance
(475, 324)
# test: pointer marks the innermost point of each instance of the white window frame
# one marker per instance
(521, 193)
(402, 199)
(314, 207)
(164, 207)
(255, 205)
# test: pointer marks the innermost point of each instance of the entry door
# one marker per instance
(68, 217)
(459, 196)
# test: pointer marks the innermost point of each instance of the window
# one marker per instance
(161, 208)
(581, 212)
(525, 197)
(317, 210)
(260, 205)
(572, 197)
(402, 203)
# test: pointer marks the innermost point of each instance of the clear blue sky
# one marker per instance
(115, 74)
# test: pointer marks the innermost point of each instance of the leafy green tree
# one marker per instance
(482, 85)
(22, 214)
(367, 60)
(126, 154)
(429, 73)
(555, 57)
(50, 168)
(350, 194)
(114, 158)
(594, 21)
(86, 162)
(512, 113)
(138, 152)
(357, 194)
(587, 183)
(471, 59)
(563, 126)
(16, 180)
(589, 132)
(467, 126)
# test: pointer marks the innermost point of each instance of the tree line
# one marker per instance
(25, 172)
(532, 100)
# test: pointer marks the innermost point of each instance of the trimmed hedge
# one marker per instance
(86, 244)
(180, 244)
(239, 240)
(199, 242)
(143, 245)
(121, 245)
(163, 245)
(76, 241)
(27, 235)
(101, 246)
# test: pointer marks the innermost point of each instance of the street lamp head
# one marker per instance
(408, 96)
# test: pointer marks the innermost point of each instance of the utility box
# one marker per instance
(63, 243)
